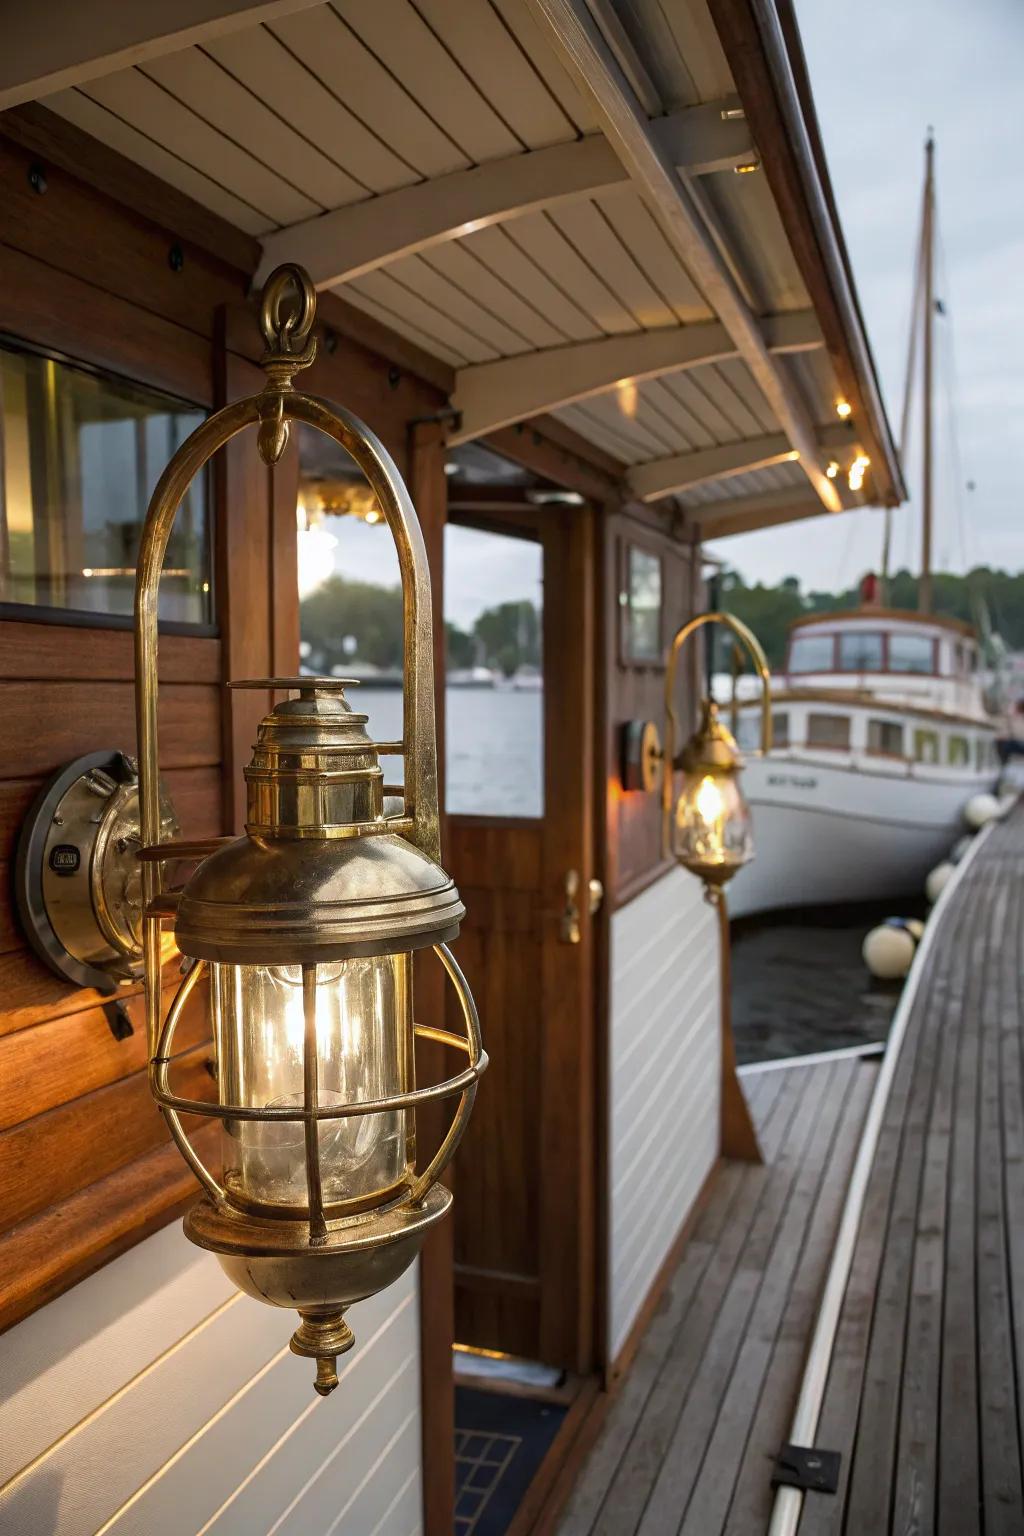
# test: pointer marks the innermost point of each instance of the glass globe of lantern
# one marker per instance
(712, 834)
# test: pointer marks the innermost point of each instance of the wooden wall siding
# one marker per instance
(156, 1400)
(664, 1076)
(637, 692)
(85, 1168)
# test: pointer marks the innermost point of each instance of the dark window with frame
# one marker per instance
(640, 607)
(812, 653)
(828, 731)
(885, 738)
(958, 751)
(911, 653)
(80, 453)
(860, 651)
(926, 746)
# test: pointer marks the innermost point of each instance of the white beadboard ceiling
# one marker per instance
(336, 104)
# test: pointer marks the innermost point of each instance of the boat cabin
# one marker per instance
(579, 268)
(878, 688)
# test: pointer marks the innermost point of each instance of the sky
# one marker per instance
(882, 71)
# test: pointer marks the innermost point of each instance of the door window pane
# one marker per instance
(885, 738)
(494, 733)
(828, 731)
(79, 457)
(860, 652)
(910, 653)
(641, 607)
(811, 653)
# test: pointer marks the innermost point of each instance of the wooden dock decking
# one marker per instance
(691, 1437)
(925, 1393)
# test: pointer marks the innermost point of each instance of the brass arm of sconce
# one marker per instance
(669, 750)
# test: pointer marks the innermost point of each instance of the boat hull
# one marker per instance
(829, 833)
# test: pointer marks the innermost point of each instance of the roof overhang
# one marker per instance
(538, 201)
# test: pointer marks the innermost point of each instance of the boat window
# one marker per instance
(860, 652)
(982, 753)
(748, 730)
(885, 738)
(926, 746)
(911, 653)
(79, 457)
(828, 731)
(811, 653)
(958, 751)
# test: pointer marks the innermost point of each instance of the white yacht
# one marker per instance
(881, 736)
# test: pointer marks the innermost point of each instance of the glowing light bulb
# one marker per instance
(832, 470)
(843, 409)
(709, 800)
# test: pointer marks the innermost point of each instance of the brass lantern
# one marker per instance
(304, 928)
(706, 824)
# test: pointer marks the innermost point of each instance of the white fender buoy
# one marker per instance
(915, 926)
(938, 880)
(959, 849)
(888, 951)
(980, 810)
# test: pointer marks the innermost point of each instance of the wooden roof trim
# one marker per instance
(346, 243)
(763, 50)
(43, 133)
(680, 471)
(84, 39)
(572, 30)
(902, 615)
(491, 395)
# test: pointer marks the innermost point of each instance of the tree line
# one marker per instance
(983, 595)
(348, 623)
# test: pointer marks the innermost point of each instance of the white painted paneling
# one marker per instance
(665, 1071)
(153, 1400)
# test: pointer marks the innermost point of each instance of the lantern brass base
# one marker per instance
(323, 1335)
(272, 1261)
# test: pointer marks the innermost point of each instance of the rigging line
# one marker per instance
(913, 337)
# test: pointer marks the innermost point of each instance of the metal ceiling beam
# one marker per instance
(348, 242)
(576, 36)
(492, 395)
(80, 40)
(681, 471)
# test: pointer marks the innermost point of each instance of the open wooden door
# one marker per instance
(520, 846)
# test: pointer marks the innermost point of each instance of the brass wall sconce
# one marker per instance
(304, 928)
(706, 826)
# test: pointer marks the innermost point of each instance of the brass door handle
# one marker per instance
(596, 894)
(570, 924)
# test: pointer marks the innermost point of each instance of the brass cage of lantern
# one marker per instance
(390, 1216)
(755, 651)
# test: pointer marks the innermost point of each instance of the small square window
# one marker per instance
(828, 731)
(958, 751)
(641, 607)
(811, 653)
(926, 746)
(80, 455)
(885, 738)
(860, 652)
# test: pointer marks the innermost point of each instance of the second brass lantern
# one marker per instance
(304, 930)
(706, 826)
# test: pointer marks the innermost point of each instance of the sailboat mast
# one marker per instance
(924, 598)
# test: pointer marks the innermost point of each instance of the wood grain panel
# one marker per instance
(63, 314)
(126, 184)
(45, 1160)
(51, 1064)
(43, 1257)
(84, 654)
(136, 252)
(76, 717)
